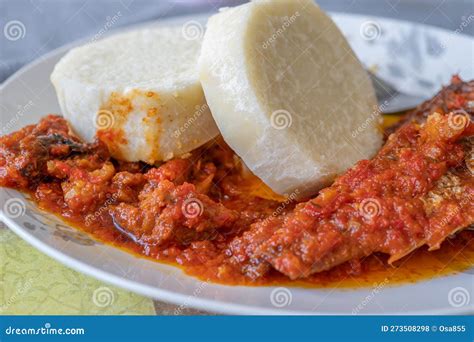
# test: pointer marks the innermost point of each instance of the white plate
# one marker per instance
(414, 57)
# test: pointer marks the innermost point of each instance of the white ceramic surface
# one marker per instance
(414, 57)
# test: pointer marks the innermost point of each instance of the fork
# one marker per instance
(390, 99)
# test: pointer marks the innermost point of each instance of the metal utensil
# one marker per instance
(390, 99)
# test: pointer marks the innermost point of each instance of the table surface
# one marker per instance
(49, 24)
(33, 283)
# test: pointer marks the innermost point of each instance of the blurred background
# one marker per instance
(49, 24)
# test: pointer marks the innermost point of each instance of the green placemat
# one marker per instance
(33, 283)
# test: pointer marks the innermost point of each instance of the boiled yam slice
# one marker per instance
(288, 94)
(139, 92)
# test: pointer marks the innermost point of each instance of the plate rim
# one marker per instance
(191, 301)
(157, 293)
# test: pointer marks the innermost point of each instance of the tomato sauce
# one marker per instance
(456, 255)
(206, 213)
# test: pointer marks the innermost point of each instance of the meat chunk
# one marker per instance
(169, 213)
(84, 191)
(24, 154)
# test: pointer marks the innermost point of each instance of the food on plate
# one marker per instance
(203, 213)
(139, 92)
(416, 191)
(137, 159)
(288, 94)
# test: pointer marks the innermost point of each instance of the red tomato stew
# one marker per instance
(385, 218)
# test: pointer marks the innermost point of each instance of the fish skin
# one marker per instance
(282, 242)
